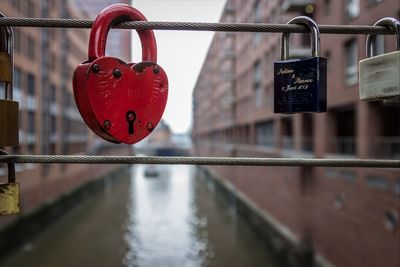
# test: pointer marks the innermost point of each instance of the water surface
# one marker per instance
(174, 219)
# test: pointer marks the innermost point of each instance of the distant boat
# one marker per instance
(151, 171)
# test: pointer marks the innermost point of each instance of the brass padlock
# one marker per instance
(8, 108)
(9, 192)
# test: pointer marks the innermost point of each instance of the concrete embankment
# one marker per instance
(290, 249)
(18, 229)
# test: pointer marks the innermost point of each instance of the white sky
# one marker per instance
(180, 53)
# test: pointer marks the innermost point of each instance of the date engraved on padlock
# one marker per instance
(300, 85)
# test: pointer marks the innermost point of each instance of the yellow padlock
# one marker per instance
(8, 107)
(9, 192)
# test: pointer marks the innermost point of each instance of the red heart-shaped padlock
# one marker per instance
(120, 102)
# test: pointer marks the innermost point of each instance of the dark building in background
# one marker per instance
(49, 121)
(349, 215)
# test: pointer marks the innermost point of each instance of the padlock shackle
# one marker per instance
(9, 47)
(10, 166)
(115, 14)
(314, 35)
(371, 38)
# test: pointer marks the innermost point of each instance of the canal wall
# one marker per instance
(286, 245)
(44, 201)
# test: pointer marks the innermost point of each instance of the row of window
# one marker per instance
(24, 43)
(342, 123)
(27, 7)
(352, 7)
(24, 80)
(373, 181)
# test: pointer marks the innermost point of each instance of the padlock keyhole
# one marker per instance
(130, 118)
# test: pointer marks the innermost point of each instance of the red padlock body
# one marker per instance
(82, 101)
(128, 105)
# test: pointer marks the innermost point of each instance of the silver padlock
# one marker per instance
(8, 107)
(9, 192)
(379, 74)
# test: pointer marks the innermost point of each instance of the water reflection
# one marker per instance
(173, 219)
(158, 232)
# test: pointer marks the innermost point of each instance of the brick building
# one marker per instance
(119, 41)
(350, 215)
(49, 121)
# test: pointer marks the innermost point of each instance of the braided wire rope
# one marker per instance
(232, 161)
(198, 26)
(195, 26)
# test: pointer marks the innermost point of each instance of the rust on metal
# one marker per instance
(9, 198)
(5, 67)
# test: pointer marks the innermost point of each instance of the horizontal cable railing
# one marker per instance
(198, 26)
(232, 161)
(195, 26)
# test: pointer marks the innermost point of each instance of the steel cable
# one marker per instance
(232, 161)
(195, 26)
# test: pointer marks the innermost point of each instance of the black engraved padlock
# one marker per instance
(300, 83)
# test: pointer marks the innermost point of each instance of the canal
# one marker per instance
(174, 219)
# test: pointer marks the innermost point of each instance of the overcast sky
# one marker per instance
(180, 53)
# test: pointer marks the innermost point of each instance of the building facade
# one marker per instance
(49, 121)
(349, 215)
(119, 40)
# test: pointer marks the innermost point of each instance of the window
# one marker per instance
(287, 133)
(352, 8)
(327, 7)
(374, 2)
(30, 9)
(307, 132)
(17, 40)
(351, 62)
(377, 182)
(31, 47)
(17, 79)
(31, 122)
(265, 134)
(31, 84)
(257, 84)
(257, 19)
(53, 125)
(17, 85)
(345, 139)
(2, 90)
(52, 93)
(396, 187)
(53, 61)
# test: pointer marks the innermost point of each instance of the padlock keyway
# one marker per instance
(130, 118)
